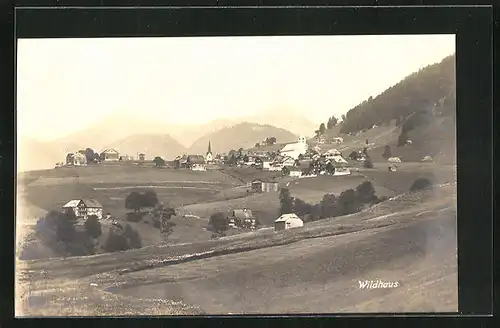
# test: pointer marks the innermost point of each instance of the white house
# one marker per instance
(288, 221)
(266, 165)
(79, 159)
(110, 155)
(83, 208)
(288, 161)
(198, 167)
(394, 160)
(342, 171)
(330, 154)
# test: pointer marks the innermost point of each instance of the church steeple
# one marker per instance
(209, 148)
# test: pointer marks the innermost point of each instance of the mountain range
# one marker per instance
(132, 134)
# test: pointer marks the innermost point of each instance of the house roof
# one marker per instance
(332, 151)
(72, 203)
(243, 214)
(109, 150)
(339, 159)
(263, 181)
(88, 203)
(286, 217)
(196, 159)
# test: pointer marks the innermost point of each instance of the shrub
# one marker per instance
(93, 226)
(368, 163)
(348, 202)
(285, 171)
(366, 192)
(387, 152)
(286, 201)
(115, 242)
(420, 184)
(218, 221)
(133, 237)
(134, 216)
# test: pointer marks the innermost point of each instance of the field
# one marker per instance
(409, 238)
(316, 269)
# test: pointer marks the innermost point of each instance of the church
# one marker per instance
(295, 149)
(209, 157)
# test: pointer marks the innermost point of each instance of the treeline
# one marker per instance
(59, 232)
(348, 202)
(430, 89)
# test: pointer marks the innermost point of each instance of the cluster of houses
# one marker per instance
(80, 158)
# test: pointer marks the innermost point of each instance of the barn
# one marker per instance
(264, 186)
(288, 221)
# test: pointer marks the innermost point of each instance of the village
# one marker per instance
(304, 158)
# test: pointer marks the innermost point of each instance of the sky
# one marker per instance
(65, 85)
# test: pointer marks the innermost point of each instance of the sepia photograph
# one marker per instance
(236, 175)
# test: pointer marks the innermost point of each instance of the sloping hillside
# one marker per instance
(243, 135)
(152, 145)
(433, 87)
(420, 108)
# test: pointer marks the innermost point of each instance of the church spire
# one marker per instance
(209, 148)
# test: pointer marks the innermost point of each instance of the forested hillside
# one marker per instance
(431, 89)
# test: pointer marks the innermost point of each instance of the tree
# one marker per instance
(285, 171)
(65, 228)
(300, 157)
(133, 238)
(159, 162)
(245, 158)
(286, 201)
(89, 155)
(420, 184)
(403, 137)
(322, 128)
(332, 122)
(368, 163)
(348, 202)
(343, 117)
(330, 168)
(353, 155)
(387, 152)
(115, 242)
(162, 215)
(149, 199)
(218, 222)
(328, 206)
(270, 141)
(134, 201)
(232, 160)
(56, 227)
(257, 145)
(97, 158)
(365, 151)
(93, 226)
(366, 192)
(301, 208)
